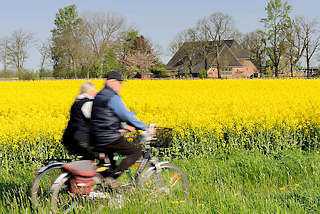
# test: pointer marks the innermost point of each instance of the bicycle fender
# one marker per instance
(49, 166)
(60, 177)
(157, 166)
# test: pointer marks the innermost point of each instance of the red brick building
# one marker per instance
(234, 60)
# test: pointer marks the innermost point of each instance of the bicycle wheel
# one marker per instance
(40, 188)
(63, 201)
(167, 182)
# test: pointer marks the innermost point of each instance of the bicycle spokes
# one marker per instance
(168, 183)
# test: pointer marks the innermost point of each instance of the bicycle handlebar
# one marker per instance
(146, 135)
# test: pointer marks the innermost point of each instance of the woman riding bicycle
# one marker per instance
(76, 135)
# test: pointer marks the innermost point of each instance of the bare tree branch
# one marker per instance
(18, 45)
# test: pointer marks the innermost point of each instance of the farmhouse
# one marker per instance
(198, 57)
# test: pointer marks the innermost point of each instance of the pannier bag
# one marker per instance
(82, 179)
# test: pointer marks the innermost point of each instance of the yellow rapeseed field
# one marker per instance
(35, 110)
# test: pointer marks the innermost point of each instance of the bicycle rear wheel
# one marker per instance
(63, 201)
(166, 181)
(40, 188)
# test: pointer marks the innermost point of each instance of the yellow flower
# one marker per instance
(41, 109)
(15, 147)
(297, 185)
(282, 188)
(33, 152)
(177, 202)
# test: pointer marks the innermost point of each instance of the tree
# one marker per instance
(312, 40)
(276, 25)
(296, 42)
(110, 61)
(18, 45)
(45, 52)
(4, 43)
(101, 31)
(217, 28)
(140, 55)
(255, 43)
(67, 42)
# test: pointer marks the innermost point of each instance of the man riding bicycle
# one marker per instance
(108, 114)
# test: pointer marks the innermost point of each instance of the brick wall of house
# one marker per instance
(244, 71)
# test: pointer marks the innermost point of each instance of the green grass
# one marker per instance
(237, 182)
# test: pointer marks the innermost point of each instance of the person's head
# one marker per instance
(88, 88)
(114, 81)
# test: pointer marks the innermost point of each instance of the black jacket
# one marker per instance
(77, 131)
(104, 124)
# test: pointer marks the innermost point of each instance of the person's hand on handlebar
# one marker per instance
(129, 128)
(126, 129)
(132, 129)
(151, 131)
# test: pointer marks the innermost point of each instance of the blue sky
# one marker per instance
(158, 20)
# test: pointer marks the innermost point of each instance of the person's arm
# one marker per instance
(121, 111)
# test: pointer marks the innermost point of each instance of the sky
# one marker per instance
(158, 20)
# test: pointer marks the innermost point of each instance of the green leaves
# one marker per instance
(110, 61)
(276, 24)
(67, 20)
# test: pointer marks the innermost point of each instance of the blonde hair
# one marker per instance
(85, 87)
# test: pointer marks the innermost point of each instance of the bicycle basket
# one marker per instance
(164, 137)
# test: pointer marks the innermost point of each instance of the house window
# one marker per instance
(226, 72)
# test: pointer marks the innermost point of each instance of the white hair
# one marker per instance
(85, 87)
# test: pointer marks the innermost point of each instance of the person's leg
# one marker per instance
(131, 151)
(112, 161)
(84, 150)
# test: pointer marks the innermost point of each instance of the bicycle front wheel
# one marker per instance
(166, 181)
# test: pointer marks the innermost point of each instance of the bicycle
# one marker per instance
(153, 179)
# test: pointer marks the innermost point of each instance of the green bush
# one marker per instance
(203, 74)
(30, 75)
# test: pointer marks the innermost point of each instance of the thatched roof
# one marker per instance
(191, 54)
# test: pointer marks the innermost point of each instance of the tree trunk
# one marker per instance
(20, 73)
(276, 70)
(206, 63)
(5, 75)
(308, 62)
(260, 68)
(74, 67)
(218, 62)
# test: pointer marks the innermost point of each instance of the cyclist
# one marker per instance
(108, 114)
(76, 136)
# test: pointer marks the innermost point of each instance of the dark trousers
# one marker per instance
(132, 152)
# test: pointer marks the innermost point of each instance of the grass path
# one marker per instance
(240, 182)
